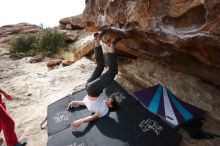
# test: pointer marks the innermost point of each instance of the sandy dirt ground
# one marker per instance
(33, 87)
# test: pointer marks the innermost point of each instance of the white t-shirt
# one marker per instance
(97, 105)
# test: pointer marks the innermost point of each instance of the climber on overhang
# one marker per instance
(97, 82)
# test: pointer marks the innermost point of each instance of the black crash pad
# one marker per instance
(58, 117)
(130, 124)
(123, 98)
(66, 138)
(134, 126)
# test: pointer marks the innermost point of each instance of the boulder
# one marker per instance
(53, 63)
(10, 32)
(83, 46)
(183, 35)
(37, 58)
(71, 35)
(72, 23)
(18, 55)
(67, 62)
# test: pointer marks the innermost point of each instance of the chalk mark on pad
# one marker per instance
(150, 125)
(62, 116)
(118, 96)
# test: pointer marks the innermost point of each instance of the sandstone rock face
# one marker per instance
(9, 32)
(181, 34)
(37, 58)
(74, 29)
(83, 46)
(67, 62)
(72, 23)
(71, 35)
(53, 63)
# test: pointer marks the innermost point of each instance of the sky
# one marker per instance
(46, 12)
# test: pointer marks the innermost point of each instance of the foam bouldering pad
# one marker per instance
(66, 138)
(58, 116)
(123, 98)
(130, 124)
(154, 131)
(162, 102)
(134, 126)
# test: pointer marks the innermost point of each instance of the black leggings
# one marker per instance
(98, 81)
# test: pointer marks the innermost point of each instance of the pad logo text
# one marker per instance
(150, 125)
(118, 96)
(61, 116)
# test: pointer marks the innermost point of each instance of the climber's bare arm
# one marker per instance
(75, 103)
(93, 117)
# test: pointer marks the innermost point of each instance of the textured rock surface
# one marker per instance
(72, 23)
(9, 32)
(67, 62)
(37, 58)
(182, 34)
(83, 46)
(53, 63)
(71, 35)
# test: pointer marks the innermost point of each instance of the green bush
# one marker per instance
(24, 43)
(48, 43)
(51, 41)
